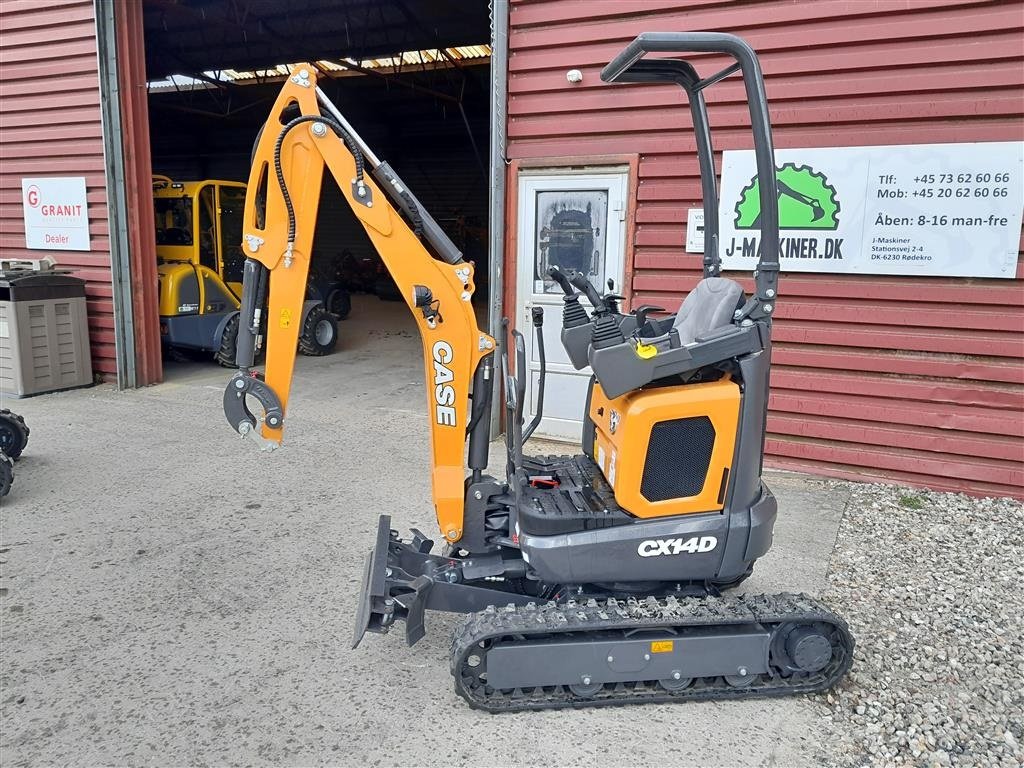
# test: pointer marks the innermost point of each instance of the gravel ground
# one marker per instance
(931, 584)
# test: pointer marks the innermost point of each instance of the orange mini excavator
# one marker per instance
(587, 579)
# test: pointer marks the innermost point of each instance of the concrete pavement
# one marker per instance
(170, 596)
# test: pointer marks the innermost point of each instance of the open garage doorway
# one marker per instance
(411, 76)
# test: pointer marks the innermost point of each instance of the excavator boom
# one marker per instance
(283, 197)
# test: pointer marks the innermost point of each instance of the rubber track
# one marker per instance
(610, 615)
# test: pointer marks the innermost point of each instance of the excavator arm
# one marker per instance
(304, 134)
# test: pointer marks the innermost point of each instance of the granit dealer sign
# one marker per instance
(920, 209)
(56, 214)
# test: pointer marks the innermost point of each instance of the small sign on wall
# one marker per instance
(695, 230)
(56, 213)
(920, 209)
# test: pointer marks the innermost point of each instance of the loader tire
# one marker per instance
(6, 473)
(225, 354)
(339, 303)
(13, 434)
(319, 332)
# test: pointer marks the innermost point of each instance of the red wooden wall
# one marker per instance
(50, 125)
(918, 380)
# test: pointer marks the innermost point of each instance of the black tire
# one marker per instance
(339, 303)
(6, 473)
(225, 354)
(319, 332)
(13, 434)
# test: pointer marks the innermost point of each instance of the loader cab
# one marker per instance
(199, 267)
(200, 223)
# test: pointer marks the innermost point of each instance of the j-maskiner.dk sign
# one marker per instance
(920, 209)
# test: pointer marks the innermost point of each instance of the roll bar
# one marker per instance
(628, 67)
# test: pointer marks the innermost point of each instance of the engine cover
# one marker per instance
(667, 450)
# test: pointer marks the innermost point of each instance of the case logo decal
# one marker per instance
(444, 392)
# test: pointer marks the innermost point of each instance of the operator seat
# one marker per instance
(709, 306)
(703, 334)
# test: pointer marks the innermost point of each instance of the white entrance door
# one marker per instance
(575, 222)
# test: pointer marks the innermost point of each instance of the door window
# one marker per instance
(575, 221)
(570, 233)
(173, 220)
(232, 206)
(208, 228)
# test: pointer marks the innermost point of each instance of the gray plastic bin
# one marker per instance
(44, 333)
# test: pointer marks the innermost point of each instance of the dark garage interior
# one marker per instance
(411, 77)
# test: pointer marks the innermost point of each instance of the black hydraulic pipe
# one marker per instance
(510, 398)
(403, 197)
(519, 384)
(245, 347)
(480, 424)
(538, 324)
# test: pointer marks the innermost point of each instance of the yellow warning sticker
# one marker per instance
(662, 646)
(286, 318)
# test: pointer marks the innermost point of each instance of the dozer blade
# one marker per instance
(388, 591)
(402, 580)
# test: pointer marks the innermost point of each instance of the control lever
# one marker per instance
(641, 314)
(579, 280)
(606, 331)
(573, 314)
(613, 300)
(538, 325)
(559, 277)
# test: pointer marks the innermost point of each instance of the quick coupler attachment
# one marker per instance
(402, 580)
(236, 410)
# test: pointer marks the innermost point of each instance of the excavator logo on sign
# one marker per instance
(806, 200)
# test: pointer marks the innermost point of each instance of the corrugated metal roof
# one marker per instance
(404, 60)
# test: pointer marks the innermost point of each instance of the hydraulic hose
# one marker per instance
(344, 135)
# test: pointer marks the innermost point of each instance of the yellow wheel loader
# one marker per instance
(590, 579)
(200, 258)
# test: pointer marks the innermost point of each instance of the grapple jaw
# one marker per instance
(237, 412)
